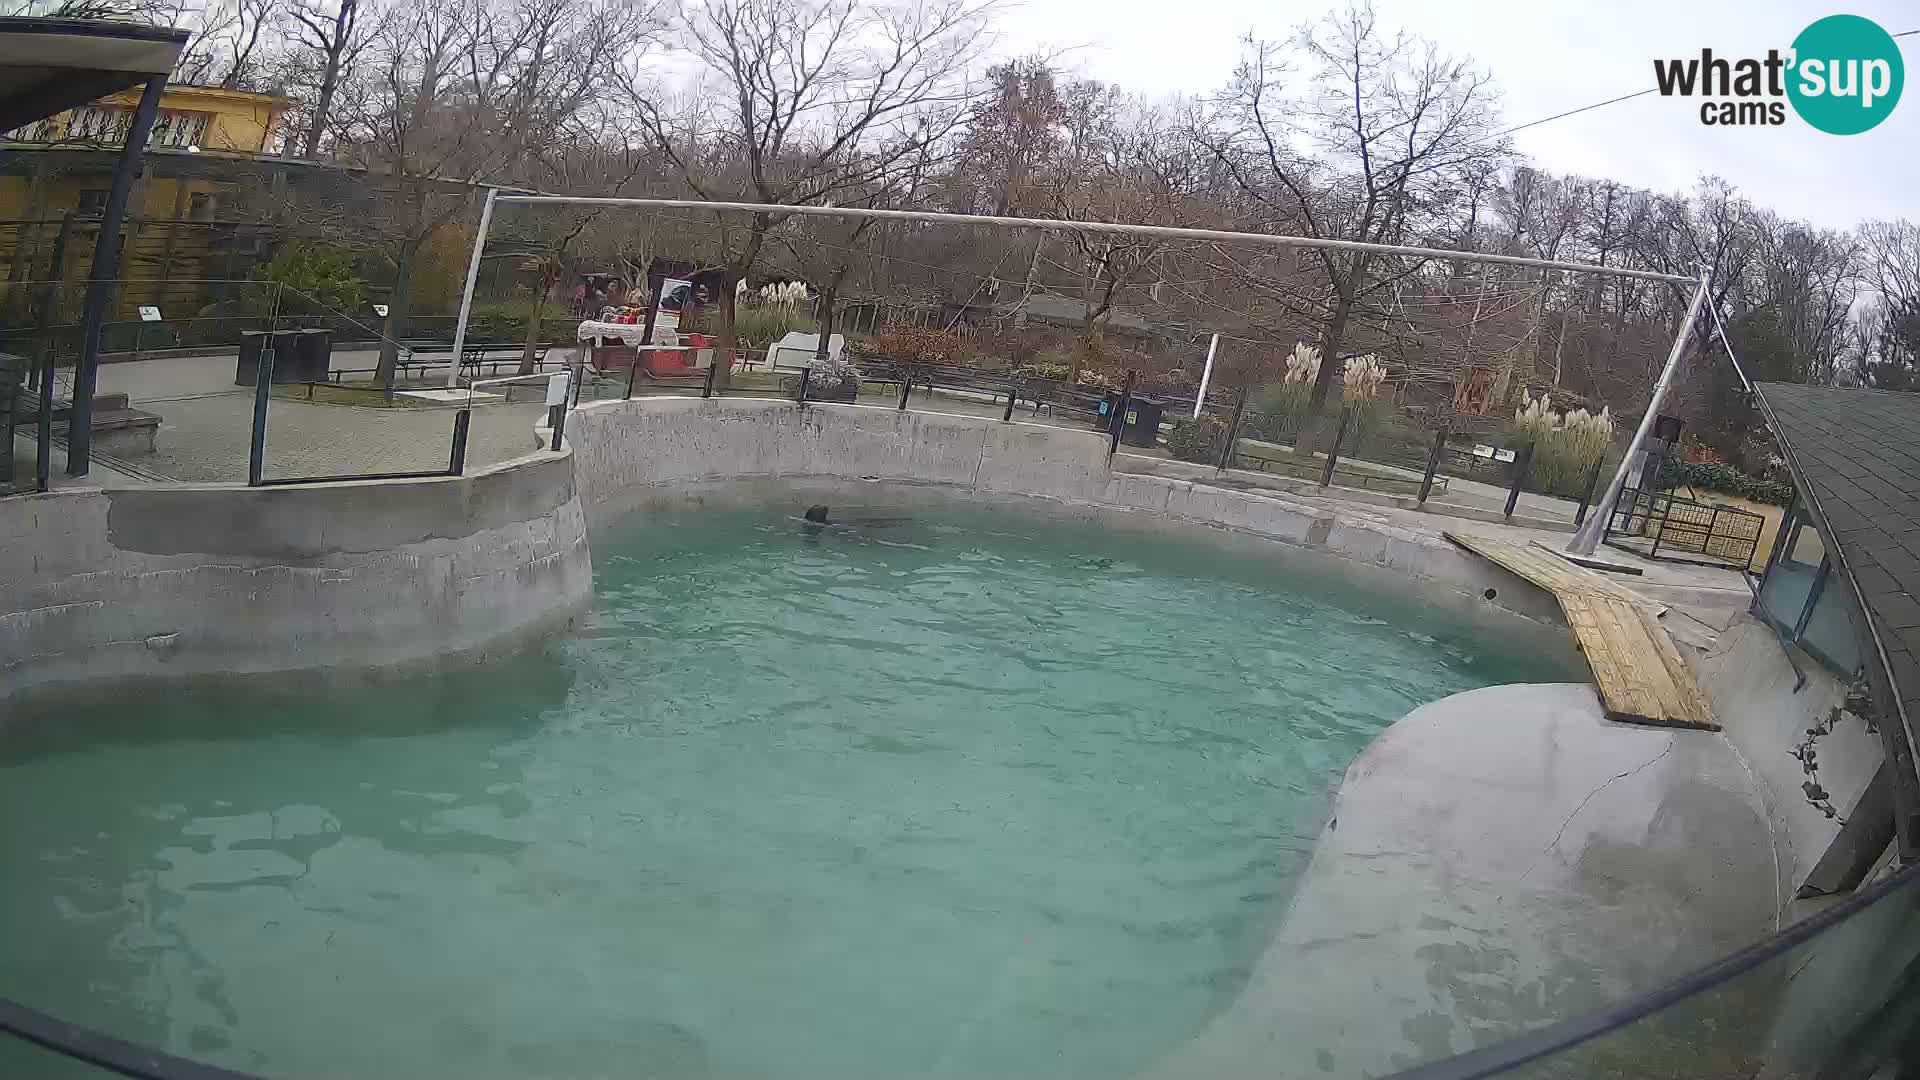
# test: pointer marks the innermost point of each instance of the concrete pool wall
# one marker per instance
(632, 454)
(182, 580)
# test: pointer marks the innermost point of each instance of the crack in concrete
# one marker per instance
(1671, 741)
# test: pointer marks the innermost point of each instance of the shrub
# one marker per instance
(1727, 480)
(1195, 440)
(922, 345)
(1565, 448)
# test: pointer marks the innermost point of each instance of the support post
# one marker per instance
(1586, 496)
(457, 460)
(49, 300)
(1433, 464)
(713, 368)
(257, 444)
(1119, 418)
(801, 397)
(1522, 462)
(1333, 452)
(1233, 431)
(1587, 538)
(473, 279)
(906, 386)
(106, 264)
(633, 372)
(1013, 395)
(1206, 376)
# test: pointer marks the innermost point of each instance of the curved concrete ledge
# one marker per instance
(1497, 860)
(195, 579)
(631, 454)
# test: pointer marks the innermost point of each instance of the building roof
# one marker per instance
(1855, 458)
(51, 65)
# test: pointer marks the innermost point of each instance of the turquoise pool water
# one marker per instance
(943, 793)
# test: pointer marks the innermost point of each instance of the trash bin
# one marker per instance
(306, 359)
(1143, 422)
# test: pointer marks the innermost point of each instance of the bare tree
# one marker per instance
(229, 44)
(1374, 154)
(814, 99)
(335, 39)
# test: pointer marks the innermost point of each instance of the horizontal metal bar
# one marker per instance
(1097, 227)
(287, 481)
(99, 1049)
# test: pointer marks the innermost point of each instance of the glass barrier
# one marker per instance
(1805, 598)
(1836, 995)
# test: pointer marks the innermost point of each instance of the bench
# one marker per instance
(121, 430)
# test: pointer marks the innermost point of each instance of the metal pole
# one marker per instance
(801, 397)
(106, 263)
(262, 386)
(473, 279)
(634, 370)
(1587, 538)
(457, 461)
(906, 386)
(1586, 497)
(1333, 452)
(1433, 464)
(1119, 424)
(49, 300)
(1013, 395)
(1521, 463)
(1099, 228)
(1206, 376)
(1233, 430)
(713, 367)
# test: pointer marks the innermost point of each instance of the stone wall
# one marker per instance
(629, 454)
(191, 579)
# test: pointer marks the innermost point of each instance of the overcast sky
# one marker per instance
(1549, 56)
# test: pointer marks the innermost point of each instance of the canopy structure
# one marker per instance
(51, 65)
(46, 67)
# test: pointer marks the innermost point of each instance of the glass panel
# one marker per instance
(1829, 633)
(1843, 1004)
(20, 1058)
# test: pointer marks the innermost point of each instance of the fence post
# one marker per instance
(1521, 463)
(1586, 497)
(906, 385)
(1333, 452)
(713, 366)
(1119, 417)
(257, 445)
(1013, 394)
(801, 397)
(1233, 430)
(1433, 464)
(457, 461)
(1662, 529)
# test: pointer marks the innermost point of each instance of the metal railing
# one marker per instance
(1661, 525)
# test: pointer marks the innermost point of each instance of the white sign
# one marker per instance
(1492, 454)
(149, 313)
(557, 389)
(380, 310)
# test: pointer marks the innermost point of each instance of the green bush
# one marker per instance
(1195, 440)
(1727, 480)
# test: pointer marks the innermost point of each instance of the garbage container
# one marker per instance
(306, 359)
(1143, 422)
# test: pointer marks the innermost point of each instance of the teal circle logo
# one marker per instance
(1846, 76)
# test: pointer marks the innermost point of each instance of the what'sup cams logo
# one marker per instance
(1843, 75)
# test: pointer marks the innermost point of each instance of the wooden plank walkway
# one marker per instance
(1641, 675)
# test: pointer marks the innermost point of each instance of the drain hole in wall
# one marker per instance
(1491, 593)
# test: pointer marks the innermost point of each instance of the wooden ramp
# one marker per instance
(1640, 674)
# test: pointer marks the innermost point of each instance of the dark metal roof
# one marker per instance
(50, 65)
(1855, 459)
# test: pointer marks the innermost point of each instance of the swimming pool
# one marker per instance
(931, 791)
